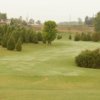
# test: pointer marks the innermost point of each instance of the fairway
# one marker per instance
(48, 72)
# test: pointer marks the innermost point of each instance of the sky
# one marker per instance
(58, 10)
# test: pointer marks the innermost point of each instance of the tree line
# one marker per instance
(12, 36)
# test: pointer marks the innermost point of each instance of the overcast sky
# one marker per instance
(58, 10)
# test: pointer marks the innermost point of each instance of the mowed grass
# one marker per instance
(42, 72)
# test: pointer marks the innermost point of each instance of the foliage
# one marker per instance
(97, 23)
(49, 31)
(38, 22)
(3, 16)
(77, 37)
(96, 37)
(19, 45)
(89, 21)
(59, 37)
(4, 40)
(35, 39)
(40, 37)
(89, 59)
(70, 37)
(83, 37)
(11, 43)
(18, 22)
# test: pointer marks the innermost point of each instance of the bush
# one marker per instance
(11, 43)
(70, 37)
(77, 37)
(89, 59)
(89, 37)
(19, 45)
(35, 38)
(4, 41)
(83, 37)
(59, 37)
(39, 36)
(96, 37)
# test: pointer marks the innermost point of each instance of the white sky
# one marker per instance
(58, 10)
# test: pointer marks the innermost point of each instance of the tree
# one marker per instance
(38, 22)
(49, 31)
(59, 36)
(97, 23)
(39, 35)
(89, 20)
(77, 37)
(3, 16)
(4, 40)
(70, 37)
(31, 21)
(11, 43)
(80, 21)
(19, 45)
(96, 37)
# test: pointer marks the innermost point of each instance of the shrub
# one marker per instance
(35, 39)
(85, 37)
(19, 45)
(27, 37)
(89, 37)
(70, 37)
(39, 36)
(4, 41)
(59, 37)
(77, 37)
(89, 59)
(11, 43)
(96, 37)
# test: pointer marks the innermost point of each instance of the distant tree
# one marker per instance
(89, 20)
(20, 18)
(38, 22)
(4, 41)
(3, 16)
(31, 21)
(49, 31)
(19, 45)
(18, 22)
(80, 21)
(97, 23)
(11, 43)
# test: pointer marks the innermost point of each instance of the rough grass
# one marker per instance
(42, 72)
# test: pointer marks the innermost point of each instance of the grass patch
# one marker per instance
(43, 72)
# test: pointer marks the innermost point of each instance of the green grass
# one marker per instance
(42, 72)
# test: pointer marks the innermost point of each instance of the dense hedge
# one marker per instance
(19, 45)
(89, 59)
(87, 37)
(83, 37)
(10, 35)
